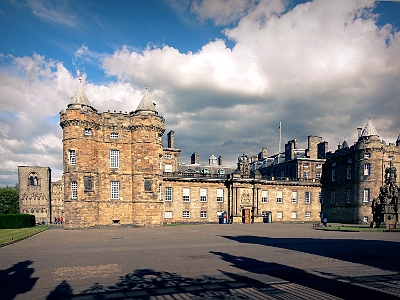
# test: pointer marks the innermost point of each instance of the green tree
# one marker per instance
(9, 200)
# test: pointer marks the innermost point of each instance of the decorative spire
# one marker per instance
(79, 97)
(369, 129)
(146, 104)
(344, 144)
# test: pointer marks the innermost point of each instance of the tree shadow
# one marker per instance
(321, 287)
(62, 291)
(150, 284)
(379, 254)
(17, 280)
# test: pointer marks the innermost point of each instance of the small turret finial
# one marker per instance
(146, 85)
(369, 116)
(80, 79)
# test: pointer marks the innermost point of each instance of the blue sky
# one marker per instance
(223, 73)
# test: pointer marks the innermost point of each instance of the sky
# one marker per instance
(223, 73)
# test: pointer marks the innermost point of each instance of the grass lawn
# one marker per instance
(8, 235)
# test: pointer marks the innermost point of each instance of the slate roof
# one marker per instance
(146, 104)
(369, 129)
(80, 97)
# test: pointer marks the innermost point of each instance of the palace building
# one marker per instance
(117, 173)
(352, 176)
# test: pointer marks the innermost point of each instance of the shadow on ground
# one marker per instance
(287, 283)
(147, 283)
(17, 280)
(379, 254)
(317, 285)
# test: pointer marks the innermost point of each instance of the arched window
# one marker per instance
(33, 179)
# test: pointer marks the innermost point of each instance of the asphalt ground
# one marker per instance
(219, 261)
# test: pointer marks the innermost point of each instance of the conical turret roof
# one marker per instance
(369, 129)
(146, 104)
(79, 97)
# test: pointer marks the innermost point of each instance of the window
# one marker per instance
(168, 156)
(220, 195)
(334, 164)
(307, 214)
(33, 179)
(306, 175)
(349, 161)
(366, 195)
(348, 172)
(321, 197)
(148, 185)
(168, 215)
(279, 215)
(307, 196)
(74, 190)
(294, 196)
(168, 194)
(333, 175)
(365, 219)
(168, 168)
(264, 196)
(72, 157)
(282, 173)
(367, 169)
(186, 214)
(203, 214)
(88, 131)
(319, 166)
(114, 189)
(88, 183)
(333, 197)
(306, 165)
(186, 194)
(203, 195)
(294, 214)
(367, 155)
(279, 197)
(114, 158)
(114, 135)
(318, 175)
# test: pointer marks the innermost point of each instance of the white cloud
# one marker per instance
(34, 91)
(320, 68)
(52, 11)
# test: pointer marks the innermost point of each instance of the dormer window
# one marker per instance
(114, 135)
(88, 131)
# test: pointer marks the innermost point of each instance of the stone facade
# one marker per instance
(117, 173)
(352, 177)
(57, 200)
(35, 193)
(295, 163)
(112, 165)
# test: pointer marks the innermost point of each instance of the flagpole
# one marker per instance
(280, 137)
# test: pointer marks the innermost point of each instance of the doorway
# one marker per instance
(246, 216)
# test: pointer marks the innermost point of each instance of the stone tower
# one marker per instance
(112, 164)
(34, 192)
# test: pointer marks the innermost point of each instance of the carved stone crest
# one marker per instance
(245, 198)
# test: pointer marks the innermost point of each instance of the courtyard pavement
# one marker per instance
(218, 261)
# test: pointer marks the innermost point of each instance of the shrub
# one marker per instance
(10, 221)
